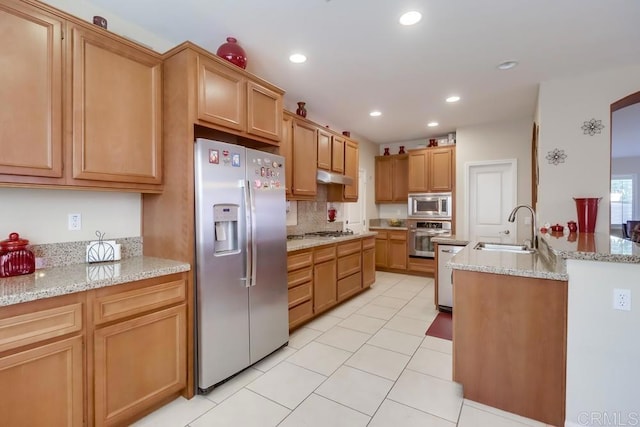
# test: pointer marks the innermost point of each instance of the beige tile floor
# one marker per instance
(364, 363)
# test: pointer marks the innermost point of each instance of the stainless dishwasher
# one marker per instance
(445, 287)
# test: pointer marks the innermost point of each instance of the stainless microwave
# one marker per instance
(430, 206)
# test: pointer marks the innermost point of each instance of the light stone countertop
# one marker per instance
(386, 227)
(550, 260)
(508, 263)
(450, 240)
(56, 281)
(310, 242)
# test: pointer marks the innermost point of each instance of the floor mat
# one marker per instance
(441, 327)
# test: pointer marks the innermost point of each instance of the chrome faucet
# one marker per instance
(533, 244)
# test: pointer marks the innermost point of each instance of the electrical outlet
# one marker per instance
(75, 221)
(622, 299)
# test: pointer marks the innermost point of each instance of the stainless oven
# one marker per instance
(421, 233)
(430, 206)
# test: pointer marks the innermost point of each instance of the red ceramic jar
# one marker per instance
(15, 258)
(233, 52)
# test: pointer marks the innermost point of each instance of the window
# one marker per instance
(622, 188)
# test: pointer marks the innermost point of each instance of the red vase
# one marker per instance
(401, 150)
(233, 52)
(386, 152)
(587, 208)
(302, 110)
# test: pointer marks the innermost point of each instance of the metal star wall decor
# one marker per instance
(556, 156)
(592, 127)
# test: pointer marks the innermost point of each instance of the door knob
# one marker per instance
(505, 232)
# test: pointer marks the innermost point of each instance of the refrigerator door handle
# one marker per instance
(252, 261)
(248, 207)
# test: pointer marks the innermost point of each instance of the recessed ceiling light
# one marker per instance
(507, 65)
(454, 98)
(432, 124)
(375, 113)
(410, 18)
(298, 58)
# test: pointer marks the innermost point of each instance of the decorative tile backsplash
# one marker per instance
(312, 215)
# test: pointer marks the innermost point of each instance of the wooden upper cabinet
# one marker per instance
(229, 98)
(304, 160)
(30, 91)
(400, 178)
(264, 111)
(418, 166)
(117, 110)
(432, 170)
(392, 178)
(384, 176)
(324, 150)
(221, 95)
(286, 151)
(337, 154)
(351, 170)
(441, 169)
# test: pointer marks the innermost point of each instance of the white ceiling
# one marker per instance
(361, 59)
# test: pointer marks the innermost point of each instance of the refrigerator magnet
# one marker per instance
(214, 157)
(235, 160)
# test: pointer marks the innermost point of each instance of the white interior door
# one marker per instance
(490, 196)
(355, 212)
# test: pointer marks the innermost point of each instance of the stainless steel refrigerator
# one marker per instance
(241, 258)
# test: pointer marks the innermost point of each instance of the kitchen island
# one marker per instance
(525, 323)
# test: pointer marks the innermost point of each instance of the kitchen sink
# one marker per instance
(504, 247)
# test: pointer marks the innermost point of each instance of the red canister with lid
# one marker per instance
(15, 258)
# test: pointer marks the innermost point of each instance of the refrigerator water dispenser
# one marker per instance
(225, 217)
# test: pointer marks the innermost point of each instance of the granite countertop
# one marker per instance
(68, 279)
(550, 260)
(593, 247)
(310, 242)
(508, 263)
(450, 240)
(387, 227)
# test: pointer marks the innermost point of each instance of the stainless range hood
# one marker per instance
(325, 177)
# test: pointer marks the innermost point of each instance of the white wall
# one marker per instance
(367, 151)
(83, 10)
(41, 215)
(603, 349)
(494, 141)
(564, 105)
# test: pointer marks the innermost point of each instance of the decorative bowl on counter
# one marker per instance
(393, 222)
(557, 228)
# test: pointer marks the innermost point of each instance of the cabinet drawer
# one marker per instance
(29, 328)
(348, 286)
(123, 304)
(349, 247)
(368, 243)
(398, 235)
(300, 294)
(300, 313)
(299, 260)
(325, 253)
(382, 235)
(348, 265)
(298, 277)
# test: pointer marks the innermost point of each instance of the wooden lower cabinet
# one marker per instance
(324, 278)
(368, 261)
(43, 386)
(509, 343)
(138, 363)
(422, 265)
(391, 249)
